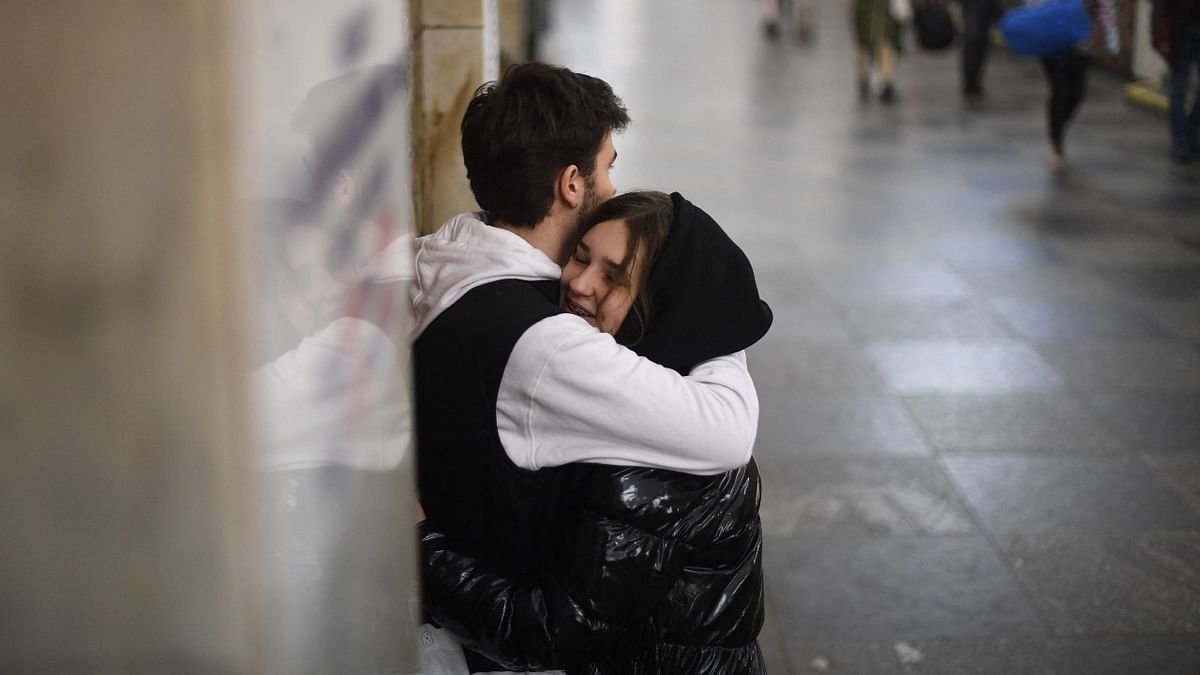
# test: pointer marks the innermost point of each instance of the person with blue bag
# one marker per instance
(1058, 32)
(1175, 34)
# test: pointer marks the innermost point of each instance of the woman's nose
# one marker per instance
(583, 284)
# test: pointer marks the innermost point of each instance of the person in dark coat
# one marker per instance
(977, 19)
(649, 571)
(1175, 34)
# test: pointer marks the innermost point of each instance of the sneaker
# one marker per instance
(1181, 155)
(888, 95)
(771, 29)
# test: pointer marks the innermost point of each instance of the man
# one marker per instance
(978, 16)
(508, 386)
(1175, 34)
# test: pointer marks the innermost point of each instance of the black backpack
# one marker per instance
(933, 25)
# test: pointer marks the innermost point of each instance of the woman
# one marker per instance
(877, 33)
(652, 571)
(1066, 75)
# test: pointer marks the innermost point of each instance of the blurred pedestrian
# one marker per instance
(1175, 33)
(783, 16)
(1066, 75)
(977, 19)
(877, 32)
(772, 15)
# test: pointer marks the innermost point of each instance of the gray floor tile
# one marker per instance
(1150, 422)
(840, 249)
(961, 366)
(781, 289)
(809, 366)
(804, 319)
(1143, 583)
(930, 319)
(1191, 242)
(1031, 422)
(1129, 251)
(894, 588)
(1085, 218)
(864, 496)
(1069, 494)
(1141, 655)
(1077, 319)
(1182, 318)
(1041, 283)
(798, 423)
(1165, 283)
(770, 638)
(1181, 471)
(974, 251)
(1164, 365)
(898, 280)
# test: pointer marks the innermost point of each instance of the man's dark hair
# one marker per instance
(520, 132)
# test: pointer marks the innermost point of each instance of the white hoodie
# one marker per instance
(569, 392)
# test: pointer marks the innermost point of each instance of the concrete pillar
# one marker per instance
(125, 494)
(447, 67)
(514, 31)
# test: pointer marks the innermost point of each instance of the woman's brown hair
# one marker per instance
(647, 216)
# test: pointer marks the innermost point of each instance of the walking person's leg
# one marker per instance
(1181, 73)
(770, 10)
(978, 16)
(1052, 66)
(1075, 75)
(1193, 124)
(864, 73)
(887, 70)
(1185, 124)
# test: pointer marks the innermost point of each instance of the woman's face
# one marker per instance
(596, 281)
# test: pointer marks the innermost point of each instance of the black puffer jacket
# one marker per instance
(653, 571)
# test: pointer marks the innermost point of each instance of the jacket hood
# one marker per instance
(704, 299)
(466, 253)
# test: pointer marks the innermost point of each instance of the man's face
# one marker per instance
(598, 187)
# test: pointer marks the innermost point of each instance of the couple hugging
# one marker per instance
(585, 417)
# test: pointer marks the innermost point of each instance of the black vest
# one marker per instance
(469, 488)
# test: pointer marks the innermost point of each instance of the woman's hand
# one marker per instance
(419, 512)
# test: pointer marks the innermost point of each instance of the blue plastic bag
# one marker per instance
(1050, 27)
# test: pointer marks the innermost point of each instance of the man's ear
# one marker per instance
(570, 186)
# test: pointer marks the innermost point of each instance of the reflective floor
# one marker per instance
(980, 429)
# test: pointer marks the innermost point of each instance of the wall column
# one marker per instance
(125, 500)
(447, 67)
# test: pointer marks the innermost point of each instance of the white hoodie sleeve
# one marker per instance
(570, 393)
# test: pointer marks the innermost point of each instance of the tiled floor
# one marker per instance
(981, 397)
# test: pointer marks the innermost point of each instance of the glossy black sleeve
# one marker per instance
(601, 578)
